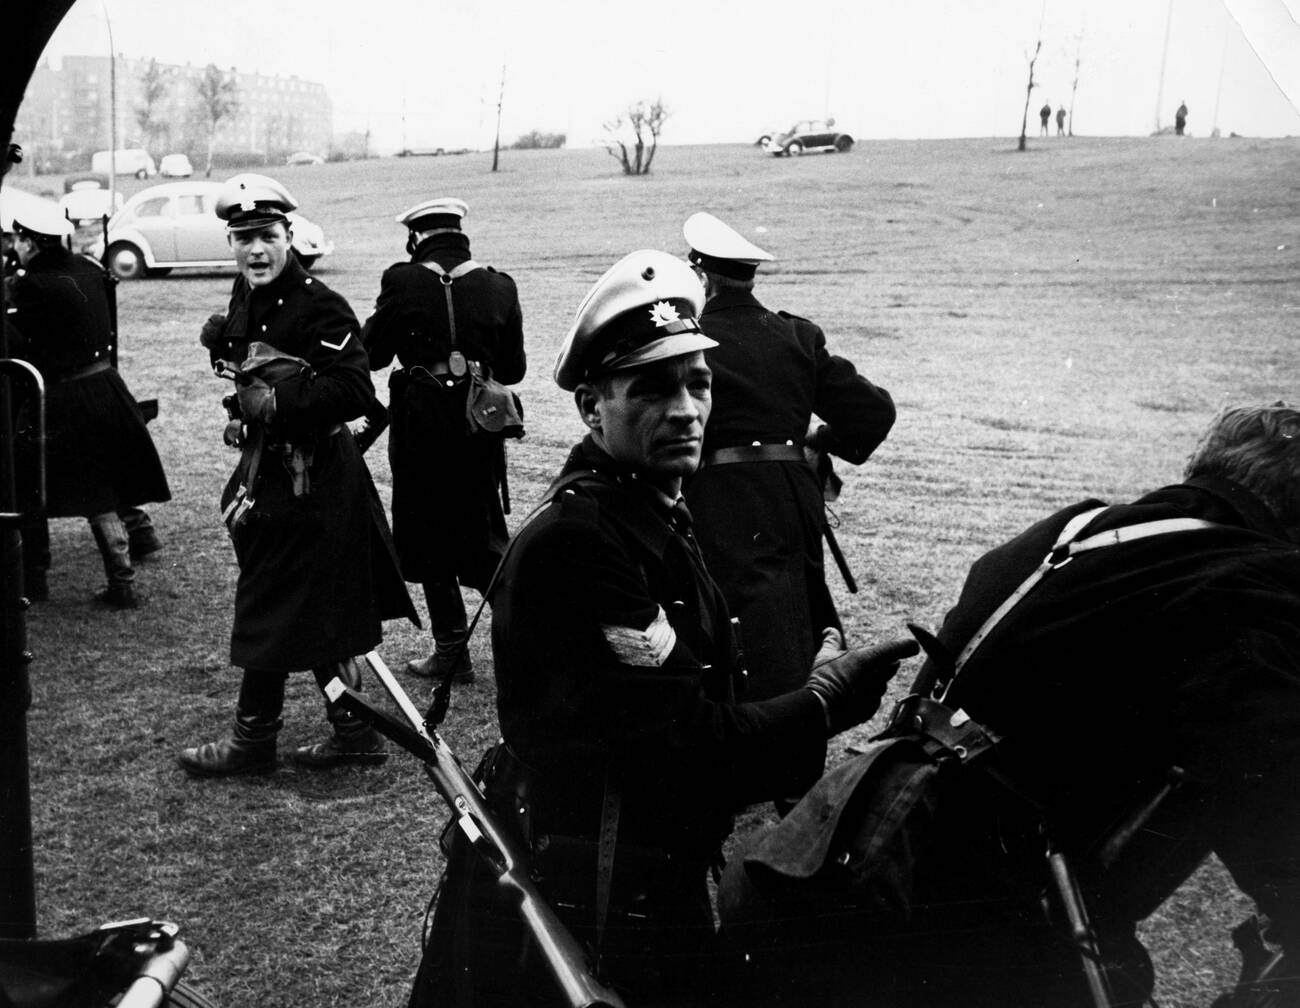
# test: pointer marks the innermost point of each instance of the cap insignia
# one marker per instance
(662, 313)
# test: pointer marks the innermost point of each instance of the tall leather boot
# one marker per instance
(353, 741)
(251, 749)
(115, 550)
(140, 531)
(450, 635)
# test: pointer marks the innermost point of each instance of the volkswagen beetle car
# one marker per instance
(175, 224)
(809, 135)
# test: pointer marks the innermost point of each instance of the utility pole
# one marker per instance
(1164, 57)
(112, 110)
(1074, 88)
(501, 97)
(1218, 91)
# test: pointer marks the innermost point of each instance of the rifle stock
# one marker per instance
(501, 851)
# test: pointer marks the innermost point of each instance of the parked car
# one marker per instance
(304, 158)
(175, 224)
(128, 161)
(84, 180)
(175, 166)
(89, 204)
(809, 135)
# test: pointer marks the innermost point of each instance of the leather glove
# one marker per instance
(210, 334)
(852, 685)
(257, 401)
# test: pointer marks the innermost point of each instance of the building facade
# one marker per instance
(66, 113)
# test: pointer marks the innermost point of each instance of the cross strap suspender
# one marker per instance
(1065, 549)
(446, 277)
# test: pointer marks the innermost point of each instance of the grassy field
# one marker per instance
(1051, 324)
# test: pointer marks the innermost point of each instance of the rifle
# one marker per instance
(497, 847)
(831, 485)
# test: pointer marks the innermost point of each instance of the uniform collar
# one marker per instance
(291, 277)
(447, 247)
(1240, 506)
(731, 298)
(589, 455)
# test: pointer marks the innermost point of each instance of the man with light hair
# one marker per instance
(1115, 696)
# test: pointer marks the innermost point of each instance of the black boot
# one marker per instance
(114, 549)
(353, 742)
(250, 750)
(36, 586)
(36, 557)
(450, 635)
(140, 532)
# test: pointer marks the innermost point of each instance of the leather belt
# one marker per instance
(756, 453)
(434, 370)
(86, 372)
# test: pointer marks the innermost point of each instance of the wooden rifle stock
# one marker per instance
(499, 849)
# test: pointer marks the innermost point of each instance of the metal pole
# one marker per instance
(1218, 91)
(17, 870)
(1164, 56)
(112, 111)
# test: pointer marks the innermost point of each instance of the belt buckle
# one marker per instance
(457, 364)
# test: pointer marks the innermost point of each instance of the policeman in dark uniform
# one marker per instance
(317, 573)
(624, 753)
(101, 461)
(447, 514)
(757, 501)
(1138, 668)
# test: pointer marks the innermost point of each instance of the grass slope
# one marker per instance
(1052, 324)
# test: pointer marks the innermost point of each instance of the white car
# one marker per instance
(175, 224)
(175, 166)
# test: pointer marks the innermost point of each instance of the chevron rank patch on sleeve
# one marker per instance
(648, 648)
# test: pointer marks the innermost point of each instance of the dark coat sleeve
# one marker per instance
(858, 414)
(389, 324)
(338, 389)
(511, 363)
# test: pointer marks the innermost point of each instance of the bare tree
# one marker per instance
(218, 99)
(496, 143)
(155, 82)
(1024, 121)
(645, 122)
(1074, 88)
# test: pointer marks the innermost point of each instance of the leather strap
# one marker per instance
(1065, 549)
(447, 276)
(755, 453)
(606, 846)
(85, 372)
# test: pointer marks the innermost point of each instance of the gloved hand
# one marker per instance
(832, 647)
(210, 334)
(851, 686)
(257, 401)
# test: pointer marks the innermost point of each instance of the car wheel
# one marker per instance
(306, 261)
(124, 261)
(142, 174)
(763, 140)
(793, 149)
(844, 144)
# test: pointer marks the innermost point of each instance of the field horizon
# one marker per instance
(1053, 325)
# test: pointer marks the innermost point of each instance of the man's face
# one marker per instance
(260, 253)
(652, 418)
(24, 248)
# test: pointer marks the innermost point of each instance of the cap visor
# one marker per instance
(670, 346)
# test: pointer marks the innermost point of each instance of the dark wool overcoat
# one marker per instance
(317, 573)
(98, 452)
(447, 513)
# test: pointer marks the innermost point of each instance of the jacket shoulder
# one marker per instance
(798, 320)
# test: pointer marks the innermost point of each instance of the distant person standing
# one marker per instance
(1060, 121)
(756, 500)
(1044, 115)
(442, 314)
(1180, 119)
(101, 462)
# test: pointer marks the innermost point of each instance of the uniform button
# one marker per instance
(755, 444)
(279, 302)
(263, 327)
(309, 280)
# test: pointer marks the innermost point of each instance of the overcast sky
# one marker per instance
(428, 72)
